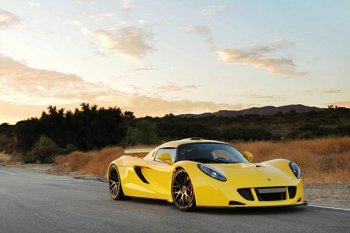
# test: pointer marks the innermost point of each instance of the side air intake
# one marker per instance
(140, 175)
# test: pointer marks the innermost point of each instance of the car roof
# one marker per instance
(177, 143)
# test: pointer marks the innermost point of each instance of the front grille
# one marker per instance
(292, 190)
(246, 194)
(268, 193)
(271, 193)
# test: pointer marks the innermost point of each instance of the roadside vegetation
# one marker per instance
(92, 128)
(322, 161)
(87, 139)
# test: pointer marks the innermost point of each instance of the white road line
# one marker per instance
(328, 207)
(10, 173)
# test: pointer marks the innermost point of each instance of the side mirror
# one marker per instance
(166, 158)
(249, 156)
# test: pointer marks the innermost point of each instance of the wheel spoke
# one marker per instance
(187, 199)
(177, 194)
(113, 176)
(113, 182)
(188, 181)
(182, 190)
(178, 180)
(182, 199)
(113, 190)
(185, 178)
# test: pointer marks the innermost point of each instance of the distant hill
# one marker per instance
(267, 110)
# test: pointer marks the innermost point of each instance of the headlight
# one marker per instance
(212, 172)
(295, 169)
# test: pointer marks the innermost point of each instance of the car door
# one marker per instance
(158, 174)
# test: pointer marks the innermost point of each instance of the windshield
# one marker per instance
(210, 153)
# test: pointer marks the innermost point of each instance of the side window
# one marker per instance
(171, 151)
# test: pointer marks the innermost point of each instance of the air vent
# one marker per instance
(292, 190)
(140, 175)
(246, 194)
(235, 203)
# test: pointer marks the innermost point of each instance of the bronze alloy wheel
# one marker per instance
(115, 187)
(182, 191)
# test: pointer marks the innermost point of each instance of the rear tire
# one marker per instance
(115, 185)
(182, 191)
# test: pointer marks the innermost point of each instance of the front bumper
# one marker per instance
(223, 195)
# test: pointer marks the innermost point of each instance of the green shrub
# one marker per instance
(43, 151)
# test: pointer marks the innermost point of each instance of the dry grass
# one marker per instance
(94, 162)
(325, 160)
(321, 160)
(5, 158)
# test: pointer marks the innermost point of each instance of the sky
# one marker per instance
(157, 57)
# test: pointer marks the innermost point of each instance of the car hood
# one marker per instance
(254, 175)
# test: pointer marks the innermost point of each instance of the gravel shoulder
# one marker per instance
(332, 195)
(335, 195)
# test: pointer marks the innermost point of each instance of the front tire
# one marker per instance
(182, 191)
(115, 185)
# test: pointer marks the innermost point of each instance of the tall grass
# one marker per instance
(94, 162)
(4, 158)
(324, 160)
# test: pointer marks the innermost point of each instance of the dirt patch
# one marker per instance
(336, 195)
(42, 168)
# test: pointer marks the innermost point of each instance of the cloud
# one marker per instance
(131, 42)
(11, 113)
(266, 97)
(34, 4)
(146, 23)
(307, 92)
(101, 17)
(173, 87)
(260, 57)
(330, 91)
(84, 2)
(23, 84)
(145, 67)
(212, 10)
(26, 91)
(200, 30)
(8, 19)
(126, 6)
(74, 22)
(197, 29)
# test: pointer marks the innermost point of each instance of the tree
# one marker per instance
(145, 132)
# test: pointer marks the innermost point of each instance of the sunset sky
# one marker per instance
(162, 56)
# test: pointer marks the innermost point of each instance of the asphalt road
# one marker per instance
(32, 202)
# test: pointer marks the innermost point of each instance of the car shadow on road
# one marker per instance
(253, 210)
(146, 201)
(225, 211)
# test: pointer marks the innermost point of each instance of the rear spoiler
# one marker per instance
(140, 153)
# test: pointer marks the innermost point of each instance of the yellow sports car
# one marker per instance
(195, 172)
